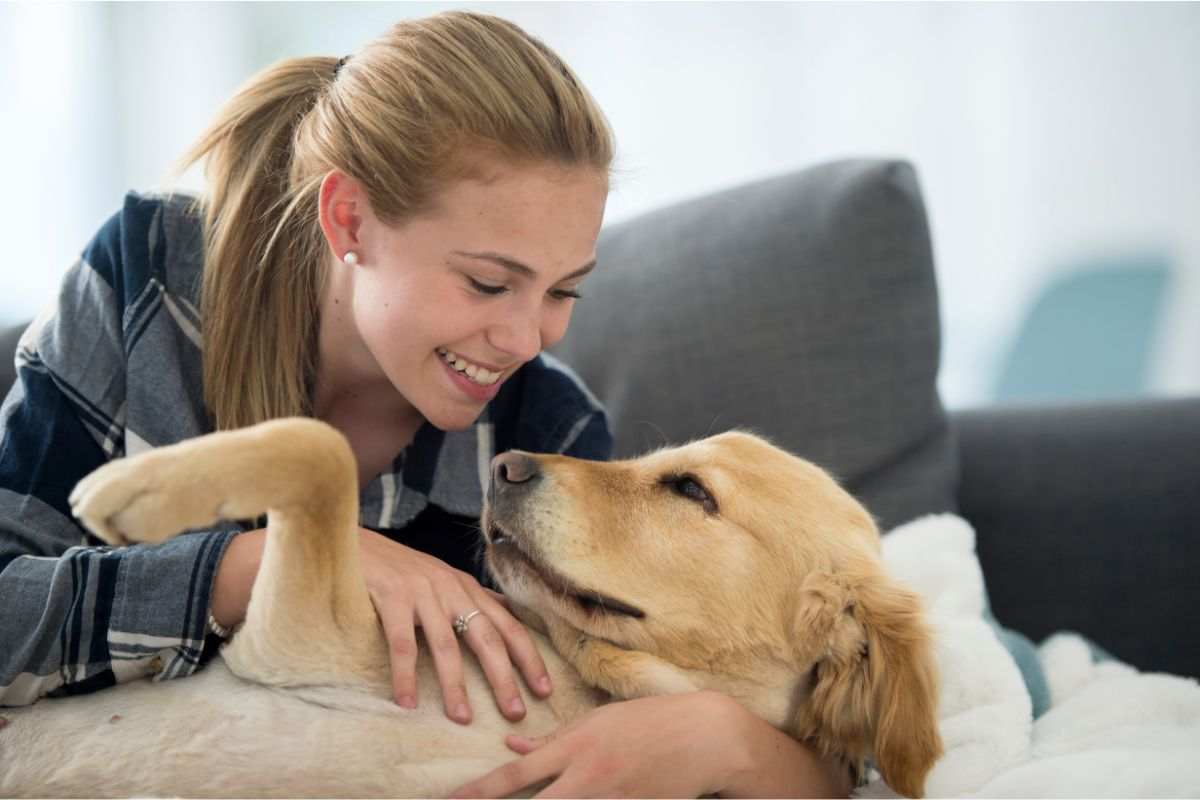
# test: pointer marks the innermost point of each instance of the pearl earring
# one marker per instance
(350, 259)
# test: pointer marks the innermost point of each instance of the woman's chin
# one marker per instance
(453, 419)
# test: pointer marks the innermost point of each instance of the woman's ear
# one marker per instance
(874, 688)
(341, 206)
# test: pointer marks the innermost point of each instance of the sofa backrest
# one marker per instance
(803, 307)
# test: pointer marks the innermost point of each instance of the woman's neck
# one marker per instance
(352, 395)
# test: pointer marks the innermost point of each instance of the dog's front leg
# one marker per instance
(310, 619)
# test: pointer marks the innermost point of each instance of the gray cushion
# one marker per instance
(1087, 519)
(803, 307)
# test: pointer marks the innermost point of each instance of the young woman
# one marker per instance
(387, 242)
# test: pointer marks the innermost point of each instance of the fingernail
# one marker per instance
(516, 706)
(543, 684)
(407, 701)
(462, 713)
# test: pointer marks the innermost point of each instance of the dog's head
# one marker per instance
(746, 569)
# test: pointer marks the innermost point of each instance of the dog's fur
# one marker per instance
(724, 564)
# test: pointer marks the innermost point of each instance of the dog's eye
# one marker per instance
(689, 487)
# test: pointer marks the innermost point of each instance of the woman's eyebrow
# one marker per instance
(512, 265)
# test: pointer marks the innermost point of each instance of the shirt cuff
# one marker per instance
(160, 606)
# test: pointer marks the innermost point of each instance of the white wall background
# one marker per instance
(1043, 133)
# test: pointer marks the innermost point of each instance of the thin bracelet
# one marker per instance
(217, 628)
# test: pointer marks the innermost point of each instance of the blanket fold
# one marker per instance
(1109, 731)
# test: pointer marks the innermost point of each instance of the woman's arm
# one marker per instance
(685, 745)
(235, 577)
(776, 765)
(78, 618)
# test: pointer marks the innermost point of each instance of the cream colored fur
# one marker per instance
(764, 583)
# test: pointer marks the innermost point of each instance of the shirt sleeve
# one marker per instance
(79, 617)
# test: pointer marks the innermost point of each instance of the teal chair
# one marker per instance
(1090, 335)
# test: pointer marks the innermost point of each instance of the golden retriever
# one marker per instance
(724, 564)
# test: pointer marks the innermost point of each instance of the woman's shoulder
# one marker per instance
(153, 242)
(555, 383)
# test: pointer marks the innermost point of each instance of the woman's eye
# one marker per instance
(565, 294)
(486, 288)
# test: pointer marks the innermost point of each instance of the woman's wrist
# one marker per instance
(235, 578)
(766, 762)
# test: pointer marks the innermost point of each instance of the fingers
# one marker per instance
(514, 776)
(447, 658)
(562, 788)
(412, 589)
(489, 647)
(518, 645)
(499, 598)
(400, 632)
(524, 745)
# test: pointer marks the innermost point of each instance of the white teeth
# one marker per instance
(476, 373)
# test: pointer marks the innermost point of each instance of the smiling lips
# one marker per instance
(474, 372)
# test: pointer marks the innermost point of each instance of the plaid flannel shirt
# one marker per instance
(113, 368)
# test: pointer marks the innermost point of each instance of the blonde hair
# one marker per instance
(398, 117)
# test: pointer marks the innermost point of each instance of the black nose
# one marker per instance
(513, 467)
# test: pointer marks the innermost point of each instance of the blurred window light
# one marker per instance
(57, 101)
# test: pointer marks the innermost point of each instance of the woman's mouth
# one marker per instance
(473, 372)
(478, 383)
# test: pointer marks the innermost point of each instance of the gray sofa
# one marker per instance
(805, 307)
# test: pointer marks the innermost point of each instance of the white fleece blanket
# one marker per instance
(1111, 731)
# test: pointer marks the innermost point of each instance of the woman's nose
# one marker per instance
(519, 336)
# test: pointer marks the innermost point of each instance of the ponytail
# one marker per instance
(261, 284)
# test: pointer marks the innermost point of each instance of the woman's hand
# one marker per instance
(683, 745)
(410, 589)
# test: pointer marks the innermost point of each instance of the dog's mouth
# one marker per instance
(505, 545)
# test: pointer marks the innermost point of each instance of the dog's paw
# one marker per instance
(128, 501)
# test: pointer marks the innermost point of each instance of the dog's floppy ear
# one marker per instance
(873, 689)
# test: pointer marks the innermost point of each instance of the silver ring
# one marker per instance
(462, 621)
